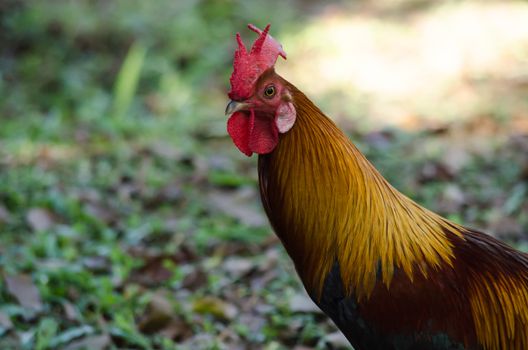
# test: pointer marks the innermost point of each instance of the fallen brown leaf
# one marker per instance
(70, 311)
(454, 159)
(302, 347)
(194, 279)
(96, 263)
(302, 303)
(93, 342)
(263, 279)
(337, 340)
(199, 341)
(158, 314)
(237, 266)
(177, 330)
(40, 219)
(255, 323)
(165, 150)
(379, 139)
(435, 171)
(506, 228)
(169, 194)
(5, 321)
(5, 215)
(238, 204)
(101, 212)
(154, 270)
(452, 199)
(22, 288)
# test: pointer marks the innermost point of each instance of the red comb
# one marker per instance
(247, 67)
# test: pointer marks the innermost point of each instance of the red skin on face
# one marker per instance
(257, 129)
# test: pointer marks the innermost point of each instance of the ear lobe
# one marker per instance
(285, 117)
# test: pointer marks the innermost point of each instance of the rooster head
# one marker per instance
(261, 106)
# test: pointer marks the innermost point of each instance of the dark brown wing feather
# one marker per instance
(429, 312)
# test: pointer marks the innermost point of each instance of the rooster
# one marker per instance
(390, 273)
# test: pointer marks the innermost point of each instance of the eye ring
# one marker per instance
(269, 91)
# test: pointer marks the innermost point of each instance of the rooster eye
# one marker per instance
(269, 91)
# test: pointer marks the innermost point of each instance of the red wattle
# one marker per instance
(238, 127)
(264, 136)
(252, 133)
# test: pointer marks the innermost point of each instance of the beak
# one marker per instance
(235, 106)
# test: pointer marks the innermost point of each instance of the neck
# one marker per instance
(327, 203)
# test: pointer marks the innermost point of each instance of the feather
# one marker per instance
(390, 273)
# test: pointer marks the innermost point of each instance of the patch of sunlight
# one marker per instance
(446, 62)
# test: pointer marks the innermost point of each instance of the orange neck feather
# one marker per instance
(326, 202)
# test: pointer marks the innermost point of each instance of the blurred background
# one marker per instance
(128, 220)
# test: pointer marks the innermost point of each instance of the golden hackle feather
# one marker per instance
(368, 226)
(499, 305)
(327, 202)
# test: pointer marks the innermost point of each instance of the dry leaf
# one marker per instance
(97, 263)
(506, 228)
(303, 303)
(155, 270)
(435, 171)
(5, 215)
(454, 159)
(25, 292)
(93, 342)
(177, 329)
(255, 323)
(70, 311)
(216, 307)
(262, 280)
(239, 205)
(379, 139)
(337, 340)
(165, 150)
(158, 314)
(230, 338)
(452, 199)
(199, 341)
(194, 278)
(101, 212)
(238, 267)
(40, 219)
(5, 321)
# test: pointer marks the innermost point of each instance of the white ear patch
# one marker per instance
(285, 117)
